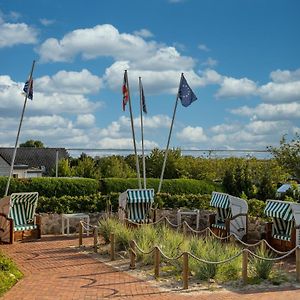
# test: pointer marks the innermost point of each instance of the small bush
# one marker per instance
(262, 268)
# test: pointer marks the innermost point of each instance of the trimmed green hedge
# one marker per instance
(51, 186)
(98, 202)
(172, 186)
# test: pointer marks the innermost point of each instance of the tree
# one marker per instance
(32, 144)
(288, 155)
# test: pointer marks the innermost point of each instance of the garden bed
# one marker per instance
(262, 275)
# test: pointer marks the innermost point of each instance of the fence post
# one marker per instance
(245, 267)
(112, 246)
(263, 246)
(95, 239)
(156, 261)
(184, 228)
(132, 255)
(80, 234)
(185, 270)
(298, 264)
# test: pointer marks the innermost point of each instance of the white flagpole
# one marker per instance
(133, 134)
(169, 138)
(142, 132)
(19, 129)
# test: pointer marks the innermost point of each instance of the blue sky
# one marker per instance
(241, 58)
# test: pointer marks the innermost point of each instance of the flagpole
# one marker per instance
(142, 132)
(19, 129)
(169, 138)
(133, 135)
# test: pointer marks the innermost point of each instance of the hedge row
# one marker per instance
(49, 186)
(98, 202)
(173, 186)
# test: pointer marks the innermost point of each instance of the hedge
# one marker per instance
(172, 186)
(98, 202)
(51, 186)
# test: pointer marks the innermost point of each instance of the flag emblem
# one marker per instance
(125, 91)
(185, 93)
(28, 88)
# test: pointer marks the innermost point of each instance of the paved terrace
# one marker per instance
(55, 270)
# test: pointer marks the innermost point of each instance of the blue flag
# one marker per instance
(185, 93)
(144, 101)
(28, 84)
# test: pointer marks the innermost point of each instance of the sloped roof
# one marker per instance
(34, 157)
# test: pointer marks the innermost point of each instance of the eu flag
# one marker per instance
(28, 85)
(185, 93)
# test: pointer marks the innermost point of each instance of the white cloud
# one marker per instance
(192, 134)
(281, 92)
(86, 120)
(210, 76)
(210, 62)
(145, 33)
(82, 82)
(231, 87)
(203, 47)
(224, 128)
(11, 101)
(280, 76)
(270, 111)
(46, 22)
(16, 33)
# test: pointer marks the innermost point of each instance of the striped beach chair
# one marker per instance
(281, 232)
(231, 215)
(135, 205)
(18, 220)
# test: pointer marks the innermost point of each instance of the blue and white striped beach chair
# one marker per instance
(231, 215)
(281, 233)
(18, 220)
(135, 205)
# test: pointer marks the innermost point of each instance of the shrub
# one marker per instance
(50, 186)
(173, 186)
(262, 268)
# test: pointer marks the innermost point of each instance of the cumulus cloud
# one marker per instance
(46, 22)
(11, 101)
(86, 120)
(192, 134)
(203, 47)
(145, 33)
(266, 111)
(232, 87)
(16, 33)
(82, 82)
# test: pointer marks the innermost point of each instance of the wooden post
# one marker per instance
(132, 255)
(80, 234)
(184, 228)
(95, 239)
(298, 264)
(185, 270)
(263, 246)
(245, 267)
(156, 261)
(112, 246)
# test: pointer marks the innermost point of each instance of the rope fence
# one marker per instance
(158, 254)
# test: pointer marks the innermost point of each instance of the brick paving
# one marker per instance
(55, 269)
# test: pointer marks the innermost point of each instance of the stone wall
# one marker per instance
(51, 223)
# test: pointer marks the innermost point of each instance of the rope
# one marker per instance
(172, 224)
(271, 259)
(216, 262)
(141, 250)
(87, 226)
(193, 230)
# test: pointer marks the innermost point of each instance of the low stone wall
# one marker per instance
(51, 223)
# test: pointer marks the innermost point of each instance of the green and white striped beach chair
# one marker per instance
(17, 217)
(135, 205)
(231, 215)
(285, 217)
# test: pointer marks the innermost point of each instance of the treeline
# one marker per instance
(247, 177)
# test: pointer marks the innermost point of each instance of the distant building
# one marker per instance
(30, 162)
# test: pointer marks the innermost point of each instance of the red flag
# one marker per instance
(125, 91)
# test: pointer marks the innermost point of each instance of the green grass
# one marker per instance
(9, 273)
